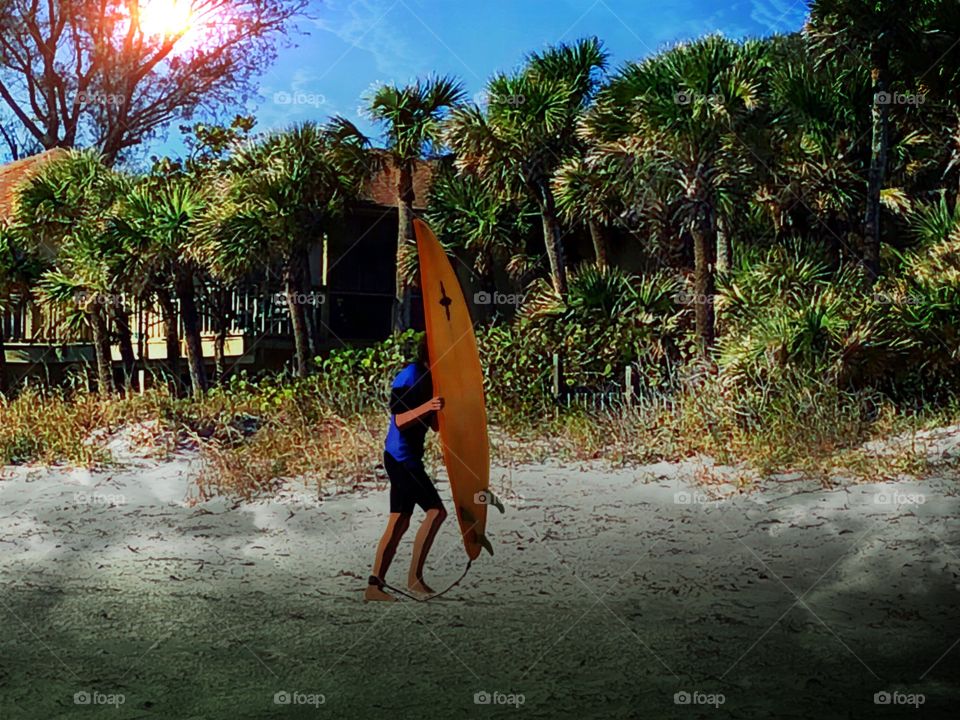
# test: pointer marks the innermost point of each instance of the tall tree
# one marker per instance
(207, 159)
(411, 117)
(477, 224)
(66, 206)
(281, 194)
(589, 191)
(908, 47)
(528, 128)
(680, 115)
(810, 184)
(156, 223)
(111, 74)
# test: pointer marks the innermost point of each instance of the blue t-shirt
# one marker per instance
(411, 388)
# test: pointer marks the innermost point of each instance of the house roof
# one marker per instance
(17, 172)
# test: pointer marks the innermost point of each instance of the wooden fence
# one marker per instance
(607, 393)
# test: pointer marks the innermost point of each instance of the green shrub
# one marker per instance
(787, 317)
(516, 373)
(608, 320)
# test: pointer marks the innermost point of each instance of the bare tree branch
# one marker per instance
(82, 72)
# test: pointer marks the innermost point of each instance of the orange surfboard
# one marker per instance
(458, 379)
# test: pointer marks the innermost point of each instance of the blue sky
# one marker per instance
(351, 46)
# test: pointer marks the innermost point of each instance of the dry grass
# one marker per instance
(251, 441)
(328, 450)
(819, 433)
(52, 427)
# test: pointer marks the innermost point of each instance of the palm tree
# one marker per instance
(66, 206)
(412, 117)
(678, 115)
(811, 168)
(280, 196)
(156, 223)
(909, 42)
(468, 218)
(209, 147)
(588, 189)
(527, 131)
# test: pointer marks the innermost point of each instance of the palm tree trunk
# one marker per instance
(724, 250)
(553, 240)
(121, 321)
(219, 351)
(704, 287)
(292, 282)
(405, 240)
(186, 295)
(598, 236)
(169, 312)
(306, 282)
(101, 349)
(880, 118)
(220, 329)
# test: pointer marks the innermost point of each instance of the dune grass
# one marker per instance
(252, 438)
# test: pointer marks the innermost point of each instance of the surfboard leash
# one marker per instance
(384, 585)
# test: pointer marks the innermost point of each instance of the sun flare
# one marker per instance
(165, 18)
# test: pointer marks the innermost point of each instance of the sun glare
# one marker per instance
(164, 18)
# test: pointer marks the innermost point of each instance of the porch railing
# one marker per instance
(247, 312)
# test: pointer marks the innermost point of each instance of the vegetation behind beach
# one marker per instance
(748, 249)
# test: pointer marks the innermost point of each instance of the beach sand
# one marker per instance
(611, 591)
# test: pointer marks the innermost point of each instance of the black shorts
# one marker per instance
(409, 485)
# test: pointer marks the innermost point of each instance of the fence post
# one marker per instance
(628, 385)
(557, 376)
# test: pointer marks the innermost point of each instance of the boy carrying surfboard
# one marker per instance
(413, 410)
(455, 372)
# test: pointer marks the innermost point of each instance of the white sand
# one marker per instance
(610, 592)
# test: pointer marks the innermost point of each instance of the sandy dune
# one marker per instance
(610, 593)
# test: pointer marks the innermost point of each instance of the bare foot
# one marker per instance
(419, 586)
(374, 593)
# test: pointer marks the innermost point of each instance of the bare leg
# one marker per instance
(396, 526)
(421, 547)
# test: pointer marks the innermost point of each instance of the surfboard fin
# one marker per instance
(484, 543)
(494, 500)
(481, 538)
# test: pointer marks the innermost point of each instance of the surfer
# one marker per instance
(413, 410)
